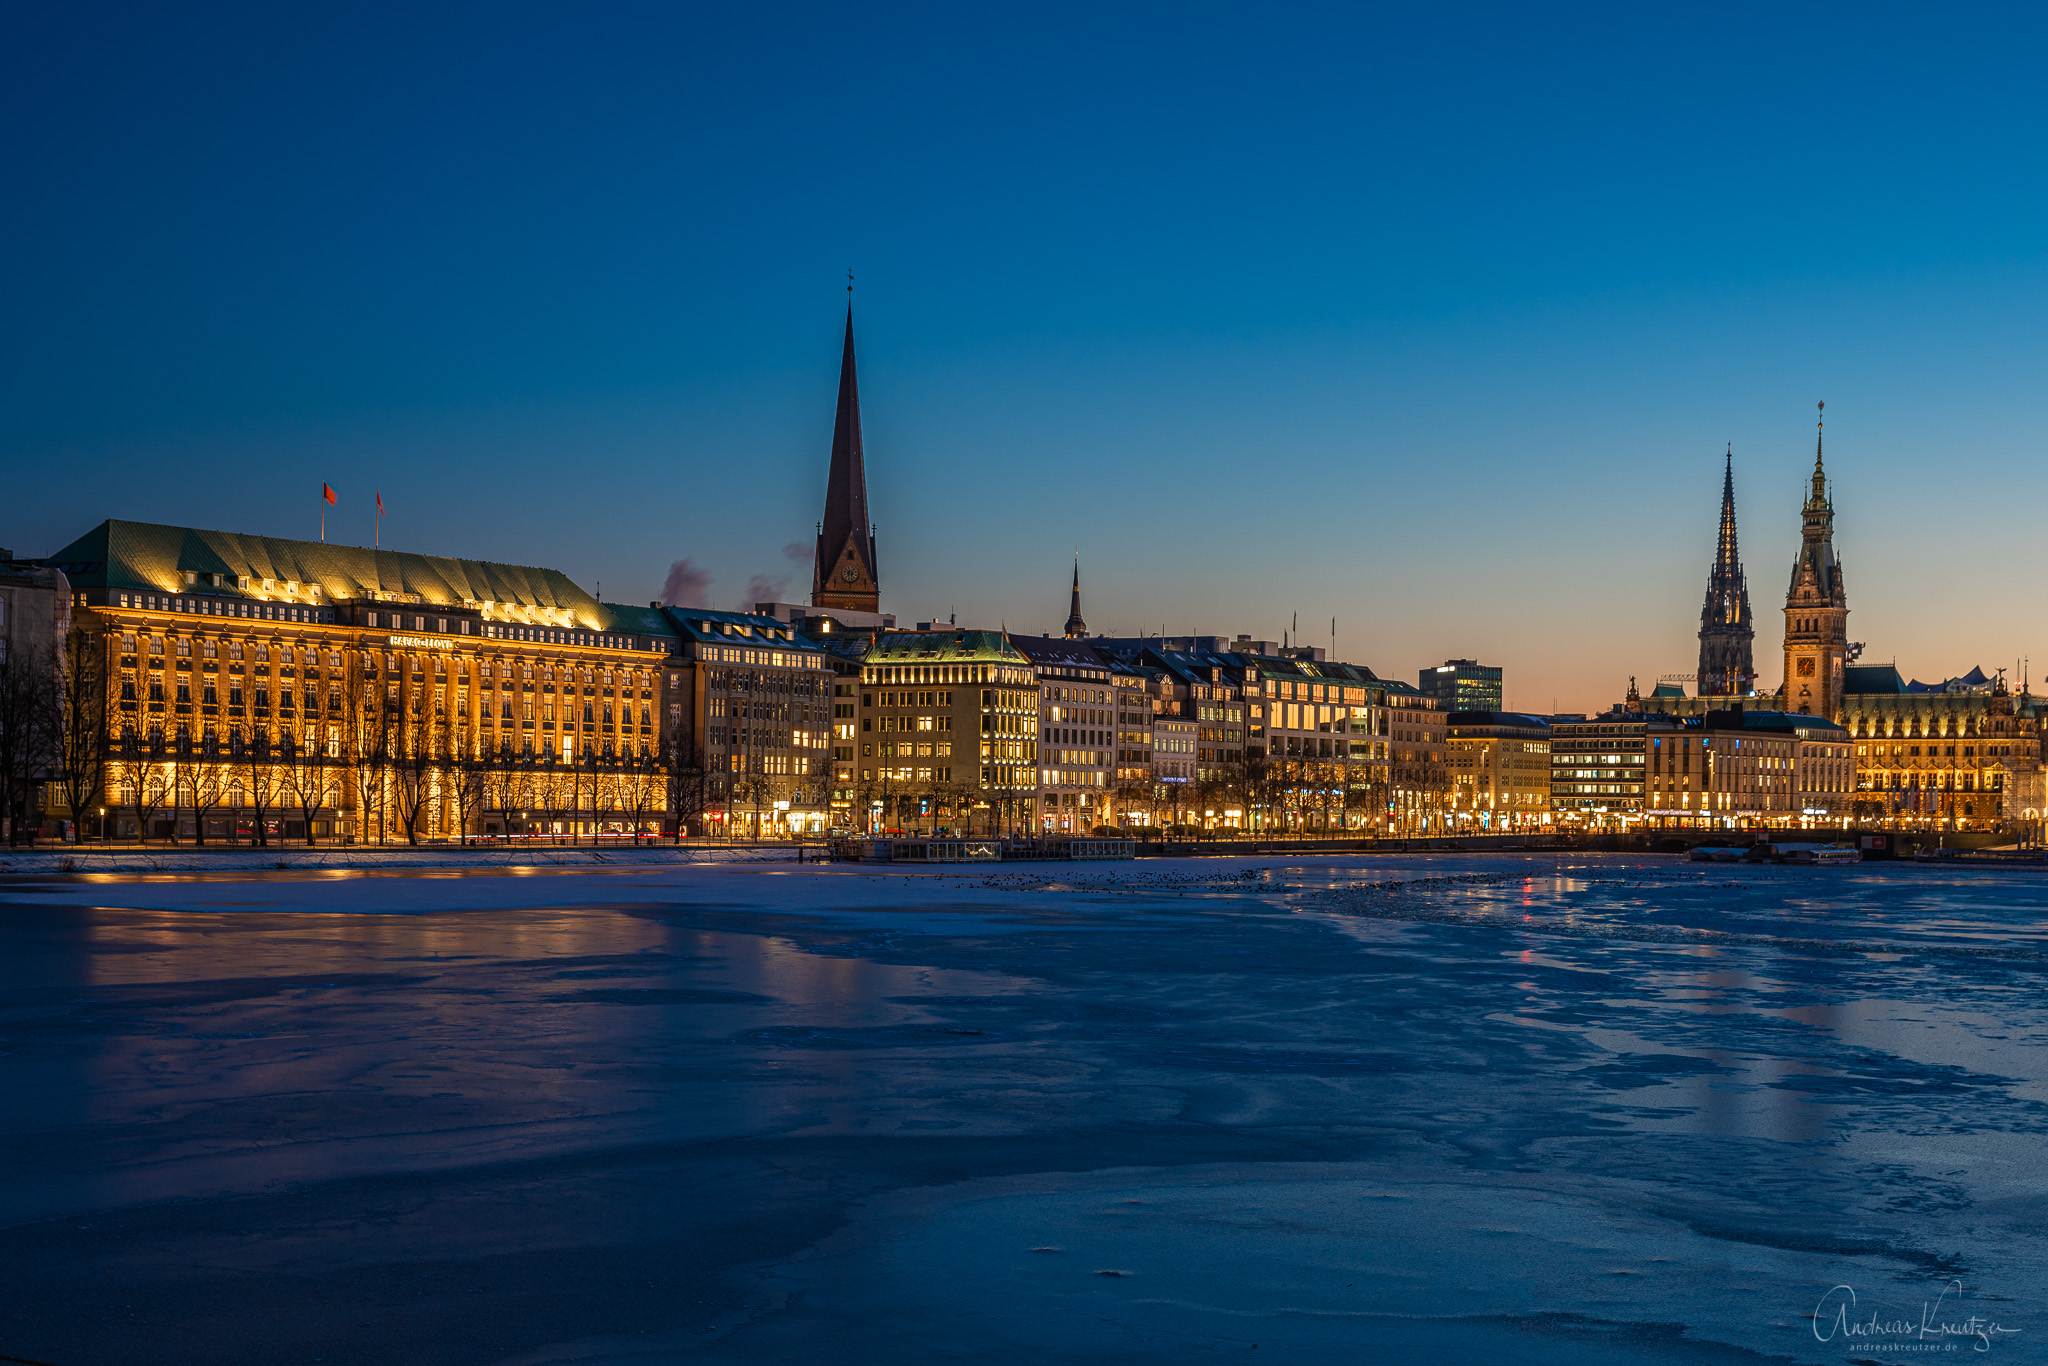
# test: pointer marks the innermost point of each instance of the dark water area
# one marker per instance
(1471, 1109)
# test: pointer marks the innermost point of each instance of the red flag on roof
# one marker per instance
(380, 502)
(327, 493)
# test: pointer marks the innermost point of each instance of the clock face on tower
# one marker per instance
(849, 573)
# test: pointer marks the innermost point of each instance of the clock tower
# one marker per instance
(845, 576)
(1816, 608)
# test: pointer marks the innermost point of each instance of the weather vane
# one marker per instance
(849, 281)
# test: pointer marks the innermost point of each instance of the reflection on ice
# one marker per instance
(1546, 1109)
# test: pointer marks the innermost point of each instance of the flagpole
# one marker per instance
(323, 514)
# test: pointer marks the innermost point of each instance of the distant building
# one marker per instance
(35, 610)
(1736, 767)
(1499, 765)
(1463, 685)
(1927, 755)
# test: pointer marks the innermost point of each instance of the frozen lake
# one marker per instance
(1531, 1109)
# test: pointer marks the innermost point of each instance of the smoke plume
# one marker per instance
(775, 587)
(687, 586)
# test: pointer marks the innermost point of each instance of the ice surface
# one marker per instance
(1462, 1109)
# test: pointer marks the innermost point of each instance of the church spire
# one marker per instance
(1076, 628)
(845, 574)
(1727, 559)
(1726, 634)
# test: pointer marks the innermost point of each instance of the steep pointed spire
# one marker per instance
(1076, 628)
(845, 574)
(1727, 636)
(1727, 559)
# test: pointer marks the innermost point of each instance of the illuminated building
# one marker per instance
(948, 734)
(289, 689)
(1462, 685)
(1499, 765)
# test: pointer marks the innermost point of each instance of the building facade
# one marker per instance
(267, 688)
(1499, 764)
(948, 735)
(1597, 770)
(750, 704)
(1077, 732)
(1741, 768)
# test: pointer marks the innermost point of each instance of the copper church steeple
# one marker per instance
(845, 575)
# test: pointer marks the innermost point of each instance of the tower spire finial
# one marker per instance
(1075, 627)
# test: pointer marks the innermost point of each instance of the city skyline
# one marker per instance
(1466, 396)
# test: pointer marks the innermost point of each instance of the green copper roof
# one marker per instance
(156, 558)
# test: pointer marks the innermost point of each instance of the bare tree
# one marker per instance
(306, 776)
(28, 699)
(416, 756)
(686, 784)
(369, 729)
(266, 785)
(469, 779)
(81, 724)
(206, 772)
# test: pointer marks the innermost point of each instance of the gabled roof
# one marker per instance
(1048, 652)
(735, 628)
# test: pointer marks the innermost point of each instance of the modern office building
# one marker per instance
(1462, 685)
(1596, 770)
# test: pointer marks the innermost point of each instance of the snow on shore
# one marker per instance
(280, 856)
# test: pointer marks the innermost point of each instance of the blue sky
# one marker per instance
(1434, 321)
